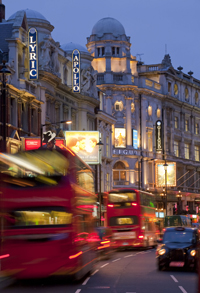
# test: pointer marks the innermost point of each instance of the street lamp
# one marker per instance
(4, 71)
(100, 144)
(165, 168)
(47, 124)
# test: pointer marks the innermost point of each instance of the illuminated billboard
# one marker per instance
(33, 54)
(83, 143)
(160, 174)
(120, 138)
(33, 143)
(135, 139)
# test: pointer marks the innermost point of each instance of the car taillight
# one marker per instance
(141, 236)
(134, 204)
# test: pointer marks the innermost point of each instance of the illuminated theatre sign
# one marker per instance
(33, 54)
(76, 71)
(158, 135)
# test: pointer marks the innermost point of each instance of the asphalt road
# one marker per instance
(125, 272)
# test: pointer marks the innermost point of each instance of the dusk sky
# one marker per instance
(155, 26)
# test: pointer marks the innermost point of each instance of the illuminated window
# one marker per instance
(119, 172)
(187, 125)
(132, 107)
(149, 141)
(158, 113)
(196, 128)
(186, 94)
(196, 98)
(175, 89)
(118, 106)
(196, 153)
(149, 110)
(107, 147)
(107, 182)
(176, 148)
(187, 150)
(176, 122)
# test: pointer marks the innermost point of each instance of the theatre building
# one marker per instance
(157, 112)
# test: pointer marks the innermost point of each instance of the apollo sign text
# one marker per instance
(33, 54)
(76, 71)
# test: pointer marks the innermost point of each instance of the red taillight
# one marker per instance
(164, 229)
(141, 236)
(4, 256)
(134, 204)
(111, 205)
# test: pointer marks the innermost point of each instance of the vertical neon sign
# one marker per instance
(33, 54)
(76, 71)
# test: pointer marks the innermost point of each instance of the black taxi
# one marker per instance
(178, 248)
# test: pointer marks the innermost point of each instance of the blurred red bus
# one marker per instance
(131, 216)
(47, 204)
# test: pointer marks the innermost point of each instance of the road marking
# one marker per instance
(94, 272)
(182, 289)
(85, 282)
(78, 290)
(105, 265)
(128, 255)
(116, 259)
(100, 287)
(175, 280)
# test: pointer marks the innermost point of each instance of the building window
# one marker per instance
(175, 89)
(176, 122)
(196, 98)
(176, 148)
(119, 172)
(196, 128)
(187, 150)
(169, 87)
(187, 125)
(115, 51)
(158, 113)
(149, 110)
(186, 94)
(107, 147)
(132, 107)
(100, 51)
(149, 141)
(118, 106)
(107, 182)
(196, 153)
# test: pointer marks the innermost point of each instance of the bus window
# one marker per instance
(124, 220)
(27, 218)
(121, 197)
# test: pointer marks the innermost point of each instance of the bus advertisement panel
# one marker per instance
(46, 207)
(131, 216)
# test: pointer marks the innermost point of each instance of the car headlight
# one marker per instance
(162, 251)
(193, 252)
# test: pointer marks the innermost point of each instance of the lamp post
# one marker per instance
(100, 144)
(165, 168)
(4, 71)
(47, 124)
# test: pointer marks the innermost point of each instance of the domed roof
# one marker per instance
(71, 46)
(108, 25)
(30, 14)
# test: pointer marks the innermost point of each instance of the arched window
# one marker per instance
(119, 173)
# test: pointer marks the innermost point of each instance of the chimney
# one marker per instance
(2, 11)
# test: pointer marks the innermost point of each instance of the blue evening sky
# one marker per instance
(155, 26)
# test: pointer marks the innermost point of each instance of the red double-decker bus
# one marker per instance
(47, 204)
(131, 216)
